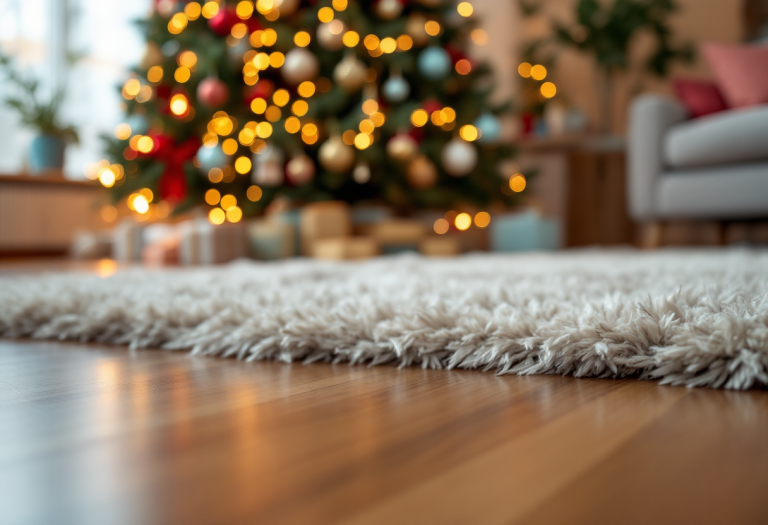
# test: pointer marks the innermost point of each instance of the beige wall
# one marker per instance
(696, 21)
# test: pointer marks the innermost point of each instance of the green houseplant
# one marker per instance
(47, 149)
(606, 31)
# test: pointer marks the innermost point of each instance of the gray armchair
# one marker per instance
(713, 167)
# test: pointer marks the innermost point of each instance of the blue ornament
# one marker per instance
(139, 124)
(210, 158)
(490, 128)
(170, 48)
(396, 89)
(434, 63)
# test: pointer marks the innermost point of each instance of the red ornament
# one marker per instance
(432, 105)
(223, 22)
(212, 92)
(455, 53)
(173, 182)
(253, 24)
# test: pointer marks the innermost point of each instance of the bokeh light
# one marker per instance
(441, 226)
(517, 183)
(463, 221)
(482, 219)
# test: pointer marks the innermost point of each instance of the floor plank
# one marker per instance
(96, 434)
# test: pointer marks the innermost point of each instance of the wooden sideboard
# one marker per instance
(40, 215)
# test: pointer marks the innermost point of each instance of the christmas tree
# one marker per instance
(235, 104)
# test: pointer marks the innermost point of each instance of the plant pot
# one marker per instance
(46, 153)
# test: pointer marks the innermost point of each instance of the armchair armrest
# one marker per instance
(650, 116)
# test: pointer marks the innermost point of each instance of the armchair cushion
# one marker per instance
(724, 138)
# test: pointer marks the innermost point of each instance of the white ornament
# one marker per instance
(388, 9)
(268, 167)
(300, 65)
(459, 158)
(330, 36)
(361, 173)
(335, 156)
(402, 147)
(396, 89)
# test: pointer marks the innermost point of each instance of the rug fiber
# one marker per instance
(697, 318)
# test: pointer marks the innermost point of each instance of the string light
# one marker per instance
(273, 113)
(363, 140)
(465, 9)
(155, 74)
(215, 175)
(239, 30)
(350, 39)
(109, 214)
(479, 37)
(419, 118)
(264, 130)
(265, 6)
(538, 72)
(244, 9)
(292, 125)
(210, 9)
(370, 106)
(145, 144)
(524, 70)
(192, 10)
(432, 28)
(517, 183)
(463, 221)
(123, 131)
(482, 219)
(441, 226)
(179, 105)
(132, 87)
(216, 216)
(371, 42)
(254, 193)
(187, 59)
(306, 89)
(258, 105)
(548, 89)
(212, 197)
(302, 39)
(404, 43)
(388, 45)
(468, 132)
(107, 177)
(229, 146)
(276, 59)
(463, 67)
(234, 214)
(228, 201)
(140, 204)
(269, 37)
(325, 14)
(339, 5)
(182, 74)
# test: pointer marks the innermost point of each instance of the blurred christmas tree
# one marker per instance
(311, 100)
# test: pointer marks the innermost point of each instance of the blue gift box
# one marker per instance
(524, 231)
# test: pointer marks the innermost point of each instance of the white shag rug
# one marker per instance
(696, 318)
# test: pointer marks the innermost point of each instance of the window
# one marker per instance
(40, 35)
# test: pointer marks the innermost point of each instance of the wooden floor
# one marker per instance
(101, 435)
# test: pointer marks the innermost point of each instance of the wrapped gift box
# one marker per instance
(345, 248)
(324, 220)
(203, 243)
(270, 239)
(440, 246)
(524, 231)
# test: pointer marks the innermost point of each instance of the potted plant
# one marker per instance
(47, 149)
(607, 31)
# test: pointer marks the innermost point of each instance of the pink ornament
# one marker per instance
(212, 92)
(223, 22)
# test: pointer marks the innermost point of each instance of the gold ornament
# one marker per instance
(336, 156)
(350, 73)
(287, 7)
(330, 35)
(414, 26)
(361, 173)
(300, 65)
(421, 173)
(459, 158)
(402, 148)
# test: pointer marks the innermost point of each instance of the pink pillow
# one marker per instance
(699, 97)
(741, 72)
